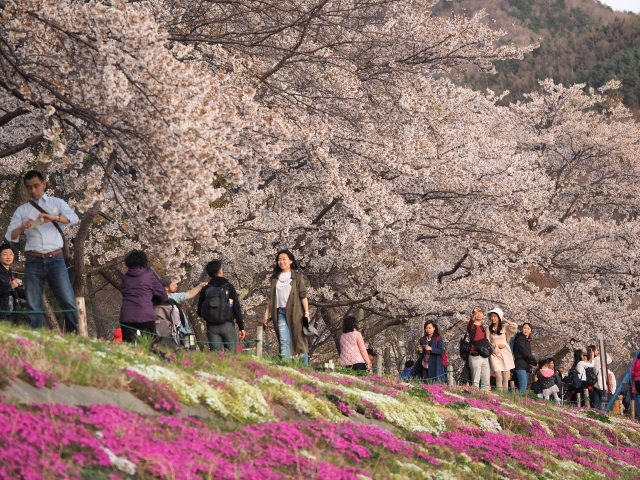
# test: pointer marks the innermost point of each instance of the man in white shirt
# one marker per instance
(43, 250)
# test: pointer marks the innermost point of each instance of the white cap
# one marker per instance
(497, 311)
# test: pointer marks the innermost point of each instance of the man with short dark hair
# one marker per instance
(218, 305)
(44, 250)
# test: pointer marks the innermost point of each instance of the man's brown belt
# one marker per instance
(44, 255)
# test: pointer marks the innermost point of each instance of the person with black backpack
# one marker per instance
(218, 305)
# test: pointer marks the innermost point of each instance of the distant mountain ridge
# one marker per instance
(581, 41)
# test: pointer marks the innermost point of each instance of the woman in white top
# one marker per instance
(600, 387)
(579, 365)
(287, 306)
(353, 353)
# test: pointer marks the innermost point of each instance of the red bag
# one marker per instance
(445, 359)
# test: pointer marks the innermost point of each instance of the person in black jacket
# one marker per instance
(10, 287)
(223, 334)
(523, 358)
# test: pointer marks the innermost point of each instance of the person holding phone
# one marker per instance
(10, 286)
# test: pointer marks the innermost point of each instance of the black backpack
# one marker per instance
(216, 308)
(573, 380)
(592, 376)
(465, 347)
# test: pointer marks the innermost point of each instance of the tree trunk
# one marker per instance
(51, 320)
(330, 322)
(80, 269)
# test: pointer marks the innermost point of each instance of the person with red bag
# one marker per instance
(432, 354)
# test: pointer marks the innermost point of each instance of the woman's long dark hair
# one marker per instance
(349, 324)
(492, 330)
(277, 270)
(577, 357)
(436, 331)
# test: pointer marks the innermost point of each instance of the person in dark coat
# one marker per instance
(523, 357)
(431, 348)
(223, 337)
(140, 289)
(10, 287)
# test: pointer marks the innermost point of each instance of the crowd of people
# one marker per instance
(494, 354)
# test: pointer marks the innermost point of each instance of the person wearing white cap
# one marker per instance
(499, 335)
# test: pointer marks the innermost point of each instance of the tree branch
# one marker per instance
(454, 269)
(325, 210)
(21, 146)
(7, 117)
(100, 268)
(345, 303)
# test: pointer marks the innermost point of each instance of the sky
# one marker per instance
(630, 5)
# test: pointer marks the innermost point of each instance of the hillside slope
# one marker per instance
(235, 417)
(581, 41)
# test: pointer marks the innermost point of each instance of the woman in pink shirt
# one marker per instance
(353, 353)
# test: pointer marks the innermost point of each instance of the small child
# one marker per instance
(548, 382)
(408, 367)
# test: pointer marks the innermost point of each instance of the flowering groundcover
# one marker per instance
(338, 426)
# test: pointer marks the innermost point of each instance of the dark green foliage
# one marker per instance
(601, 417)
(419, 392)
(592, 56)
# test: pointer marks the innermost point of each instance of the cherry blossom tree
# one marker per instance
(137, 133)
(233, 129)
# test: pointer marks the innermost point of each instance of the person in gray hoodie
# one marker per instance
(140, 289)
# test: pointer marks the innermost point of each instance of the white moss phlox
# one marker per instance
(243, 400)
(303, 402)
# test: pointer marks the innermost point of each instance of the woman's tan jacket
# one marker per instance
(502, 359)
(295, 312)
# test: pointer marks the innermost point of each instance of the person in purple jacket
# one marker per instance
(140, 289)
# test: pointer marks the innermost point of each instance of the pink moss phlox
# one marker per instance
(155, 394)
(439, 395)
(35, 377)
(24, 343)
(344, 409)
(371, 410)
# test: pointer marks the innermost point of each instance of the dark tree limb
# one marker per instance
(113, 276)
(7, 117)
(454, 269)
(99, 268)
(21, 146)
(325, 210)
(344, 303)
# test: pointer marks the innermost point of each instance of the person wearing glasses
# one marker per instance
(42, 220)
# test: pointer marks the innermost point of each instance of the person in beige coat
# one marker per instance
(287, 307)
(499, 335)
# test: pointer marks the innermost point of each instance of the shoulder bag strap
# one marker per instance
(42, 210)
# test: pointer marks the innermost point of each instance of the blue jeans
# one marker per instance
(598, 395)
(284, 333)
(54, 271)
(523, 380)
